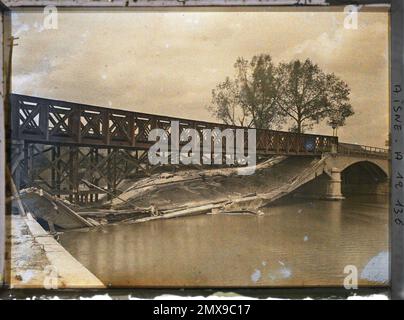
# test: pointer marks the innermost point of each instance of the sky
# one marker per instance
(167, 62)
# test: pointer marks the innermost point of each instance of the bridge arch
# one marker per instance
(344, 162)
(367, 170)
(363, 177)
(353, 175)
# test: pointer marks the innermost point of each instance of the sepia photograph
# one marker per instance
(231, 147)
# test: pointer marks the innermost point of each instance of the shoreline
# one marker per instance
(35, 259)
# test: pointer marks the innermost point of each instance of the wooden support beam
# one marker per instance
(74, 172)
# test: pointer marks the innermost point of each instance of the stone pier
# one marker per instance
(334, 185)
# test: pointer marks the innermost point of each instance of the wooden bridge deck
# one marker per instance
(52, 122)
(68, 148)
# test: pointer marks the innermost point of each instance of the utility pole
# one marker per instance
(8, 88)
(10, 66)
(7, 91)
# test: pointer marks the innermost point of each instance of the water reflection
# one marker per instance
(296, 242)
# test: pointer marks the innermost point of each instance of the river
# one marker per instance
(295, 243)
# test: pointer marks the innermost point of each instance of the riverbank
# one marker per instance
(34, 259)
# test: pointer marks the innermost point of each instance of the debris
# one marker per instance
(146, 186)
(154, 211)
(166, 175)
(166, 195)
(214, 211)
(101, 189)
(95, 223)
(42, 205)
(244, 212)
(16, 195)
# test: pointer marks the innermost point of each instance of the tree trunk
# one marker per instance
(299, 120)
(299, 126)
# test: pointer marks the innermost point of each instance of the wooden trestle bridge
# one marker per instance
(80, 151)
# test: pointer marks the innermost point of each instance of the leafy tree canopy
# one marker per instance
(265, 95)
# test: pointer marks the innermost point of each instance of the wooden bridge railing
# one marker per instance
(53, 122)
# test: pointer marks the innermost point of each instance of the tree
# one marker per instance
(250, 99)
(226, 103)
(338, 116)
(308, 95)
(263, 95)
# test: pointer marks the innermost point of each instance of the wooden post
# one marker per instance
(53, 170)
(31, 165)
(25, 170)
(96, 162)
(74, 172)
(106, 132)
(58, 180)
(109, 172)
(3, 34)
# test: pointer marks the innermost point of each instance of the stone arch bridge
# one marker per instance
(79, 151)
(352, 169)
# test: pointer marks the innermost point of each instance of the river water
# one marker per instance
(295, 243)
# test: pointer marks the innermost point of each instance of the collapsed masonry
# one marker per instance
(168, 195)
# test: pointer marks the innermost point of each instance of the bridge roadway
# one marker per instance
(56, 145)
